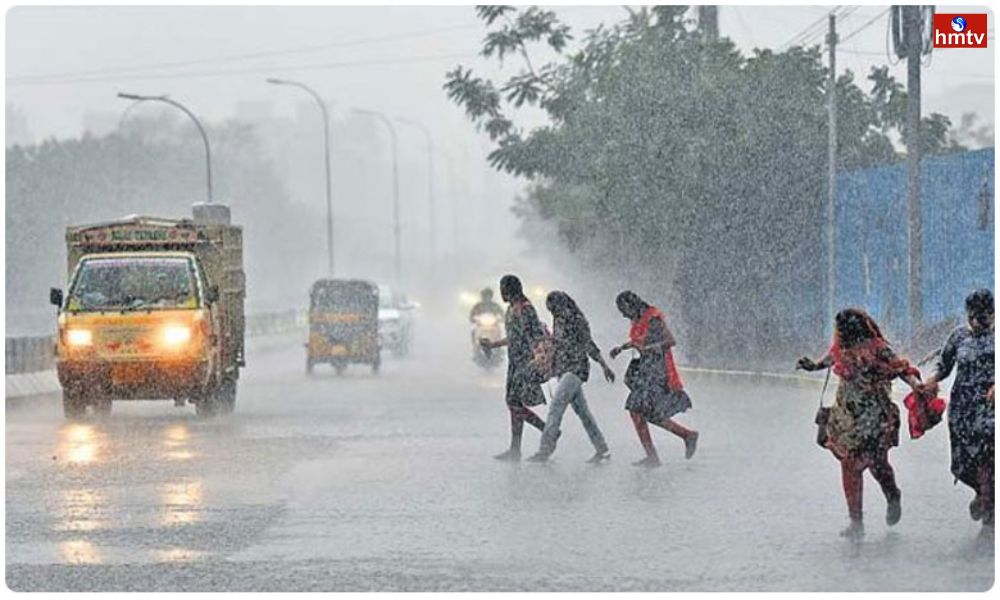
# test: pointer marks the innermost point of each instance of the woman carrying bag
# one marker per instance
(566, 356)
(863, 423)
(656, 392)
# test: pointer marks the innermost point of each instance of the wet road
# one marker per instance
(388, 483)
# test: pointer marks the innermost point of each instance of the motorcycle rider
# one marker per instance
(485, 306)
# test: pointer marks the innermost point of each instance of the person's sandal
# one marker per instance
(690, 445)
(509, 456)
(648, 462)
(599, 457)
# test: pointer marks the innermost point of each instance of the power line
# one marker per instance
(240, 57)
(865, 26)
(248, 70)
(809, 29)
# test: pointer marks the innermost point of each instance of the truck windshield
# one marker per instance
(133, 284)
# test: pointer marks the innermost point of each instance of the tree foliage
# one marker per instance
(677, 160)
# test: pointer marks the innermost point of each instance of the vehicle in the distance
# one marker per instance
(395, 320)
(486, 326)
(153, 310)
(343, 324)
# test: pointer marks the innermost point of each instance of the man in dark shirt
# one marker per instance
(486, 306)
(524, 332)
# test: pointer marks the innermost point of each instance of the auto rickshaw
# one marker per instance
(343, 324)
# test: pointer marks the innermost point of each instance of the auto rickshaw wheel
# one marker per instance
(74, 405)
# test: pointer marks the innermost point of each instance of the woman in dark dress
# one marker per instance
(971, 413)
(656, 392)
(864, 422)
(524, 332)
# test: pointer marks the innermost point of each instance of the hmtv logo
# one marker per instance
(960, 31)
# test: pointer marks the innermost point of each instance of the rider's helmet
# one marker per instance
(486, 294)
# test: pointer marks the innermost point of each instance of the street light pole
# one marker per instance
(197, 123)
(396, 231)
(431, 200)
(326, 162)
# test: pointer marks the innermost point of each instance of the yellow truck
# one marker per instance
(153, 310)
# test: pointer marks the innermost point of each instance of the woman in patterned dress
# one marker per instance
(864, 422)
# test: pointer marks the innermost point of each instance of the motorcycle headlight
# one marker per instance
(79, 337)
(487, 320)
(174, 336)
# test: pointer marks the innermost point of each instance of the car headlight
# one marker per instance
(174, 336)
(79, 337)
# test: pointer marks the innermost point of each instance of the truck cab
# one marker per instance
(152, 311)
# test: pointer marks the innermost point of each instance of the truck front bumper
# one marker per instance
(146, 379)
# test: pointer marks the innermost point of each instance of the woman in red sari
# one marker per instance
(656, 392)
(864, 422)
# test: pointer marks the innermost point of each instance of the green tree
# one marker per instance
(678, 162)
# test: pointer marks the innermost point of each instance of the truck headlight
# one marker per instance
(79, 337)
(174, 336)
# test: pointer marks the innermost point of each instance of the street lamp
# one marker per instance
(326, 162)
(430, 185)
(197, 123)
(398, 261)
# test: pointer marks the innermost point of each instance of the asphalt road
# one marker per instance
(388, 483)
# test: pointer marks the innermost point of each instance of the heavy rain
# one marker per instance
(496, 298)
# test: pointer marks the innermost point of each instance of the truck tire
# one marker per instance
(102, 407)
(225, 397)
(205, 404)
(74, 405)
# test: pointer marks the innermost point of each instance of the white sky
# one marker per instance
(46, 41)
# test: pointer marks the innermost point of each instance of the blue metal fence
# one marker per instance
(958, 244)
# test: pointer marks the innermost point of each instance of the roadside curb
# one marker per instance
(755, 377)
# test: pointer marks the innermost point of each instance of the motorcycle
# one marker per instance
(489, 327)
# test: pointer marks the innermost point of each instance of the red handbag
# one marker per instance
(924, 412)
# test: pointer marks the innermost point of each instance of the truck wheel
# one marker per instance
(102, 407)
(74, 406)
(205, 407)
(225, 397)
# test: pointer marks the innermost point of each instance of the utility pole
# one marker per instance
(912, 22)
(831, 201)
(708, 21)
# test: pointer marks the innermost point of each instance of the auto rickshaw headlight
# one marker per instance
(79, 337)
(175, 336)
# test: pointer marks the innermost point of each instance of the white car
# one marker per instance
(395, 321)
